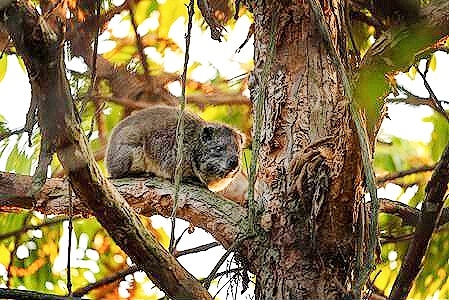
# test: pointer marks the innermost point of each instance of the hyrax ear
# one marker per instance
(207, 133)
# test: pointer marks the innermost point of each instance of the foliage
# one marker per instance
(95, 256)
(397, 155)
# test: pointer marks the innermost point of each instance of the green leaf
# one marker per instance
(18, 161)
(121, 54)
(433, 62)
(440, 135)
(412, 72)
(3, 125)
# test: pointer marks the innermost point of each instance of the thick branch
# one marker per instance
(200, 100)
(223, 218)
(42, 54)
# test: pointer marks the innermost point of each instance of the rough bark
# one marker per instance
(309, 175)
(224, 219)
(39, 42)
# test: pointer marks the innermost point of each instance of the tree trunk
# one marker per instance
(309, 172)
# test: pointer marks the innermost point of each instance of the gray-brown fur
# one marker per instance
(145, 142)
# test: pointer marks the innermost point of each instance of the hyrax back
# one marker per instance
(145, 142)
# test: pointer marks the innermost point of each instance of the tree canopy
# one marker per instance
(137, 63)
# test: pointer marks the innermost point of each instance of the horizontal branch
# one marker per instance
(409, 215)
(221, 217)
(200, 100)
(196, 249)
(106, 280)
(383, 179)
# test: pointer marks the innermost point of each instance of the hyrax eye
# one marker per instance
(207, 133)
(233, 161)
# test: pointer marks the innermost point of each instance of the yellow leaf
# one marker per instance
(143, 10)
(433, 62)
(412, 73)
(4, 255)
(163, 237)
(3, 66)
(170, 11)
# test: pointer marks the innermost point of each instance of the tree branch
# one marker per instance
(106, 280)
(42, 52)
(139, 43)
(393, 51)
(431, 211)
(196, 249)
(383, 179)
(223, 218)
(409, 215)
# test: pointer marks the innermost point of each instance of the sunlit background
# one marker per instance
(405, 122)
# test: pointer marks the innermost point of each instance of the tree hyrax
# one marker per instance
(145, 142)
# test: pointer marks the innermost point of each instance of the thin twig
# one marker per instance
(417, 101)
(140, 46)
(93, 75)
(197, 249)
(234, 246)
(390, 177)
(200, 100)
(225, 272)
(7, 134)
(97, 116)
(409, 215)
(32, 227)
(106, 280)
(436, 103)
(179, 239)
(69, 246)
(213, 273)
(225, 284)
(180, 127)
(93, 78)
(409, 236)
(394, 239)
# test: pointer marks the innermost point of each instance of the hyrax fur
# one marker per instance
(145, 142)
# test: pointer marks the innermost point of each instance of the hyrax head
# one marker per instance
(217, 157)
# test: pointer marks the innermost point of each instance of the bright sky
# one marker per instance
(405, 121)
